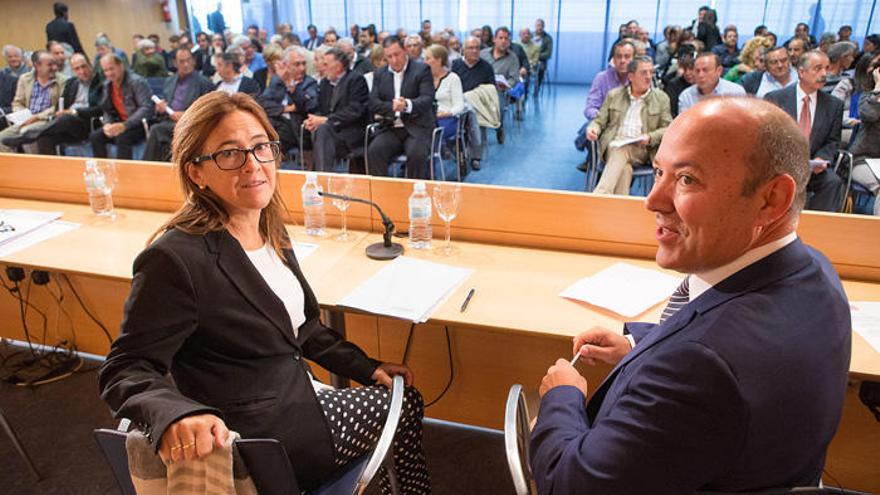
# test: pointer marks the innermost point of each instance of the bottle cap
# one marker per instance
(419, 186)
(311, 176)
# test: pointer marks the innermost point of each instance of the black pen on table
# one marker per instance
(467, 299)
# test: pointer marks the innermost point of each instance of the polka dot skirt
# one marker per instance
(356, 417)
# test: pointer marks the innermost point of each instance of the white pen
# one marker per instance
(577, 355)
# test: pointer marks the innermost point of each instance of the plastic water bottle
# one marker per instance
(100, 192)
(313, 205)
(419, 217)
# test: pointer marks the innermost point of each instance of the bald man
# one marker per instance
(734, 390)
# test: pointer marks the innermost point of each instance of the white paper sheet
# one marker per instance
(16, 118)
(618, 143)
(36, 236)
(303, 250)
(874, 165)
(16, 223)
(626, 289)
(866, 321)
(407, 288)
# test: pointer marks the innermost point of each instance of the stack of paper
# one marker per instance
(626, 289)
(866, 321)
(407, 288)
(20, 229)
(19, 117)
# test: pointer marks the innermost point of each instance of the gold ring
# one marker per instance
(177, 447)
(191, 444)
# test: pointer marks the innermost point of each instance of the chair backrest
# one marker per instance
(112, 444)
(516, 440)
(268, 466)
(383, 446)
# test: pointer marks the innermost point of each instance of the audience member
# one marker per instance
(15, 64)
(37, 91)
(841, 56)
(338, 124)
(272, 54)
(330, 38)
(354, 31)
(487, 38)
(707, 82)
(425, 33)
(203, 53)
(615, 75)
(629, 112)
(504, 63)
(366, 40)
(313, 41)
(231, 80)
(455, 49)
(780, 74)
(680, 82)
(147, 62)
(62, 30)
(216, 22)
(61, 53)
(8, 83)
(179, 93)
(243, 68)
(252, 59)
(866, 144)
(728, 51)
(82, 96)
(825, 42)
(802, 31)
(694, 405)
(819, 117)
(377, 60)
(415, 47)
(707, 29)
(545, 41)
(472, 69)
(403, 98)
(668, 47)
(871, 43)
(359, 64)
(291, 96)
(447, 89)
(751, 59)
(796, 48)
(126, 103)
(844, 32)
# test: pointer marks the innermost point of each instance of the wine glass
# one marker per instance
(342, 185)
(447, 198)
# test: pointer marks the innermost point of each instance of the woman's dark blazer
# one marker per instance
(199, 310)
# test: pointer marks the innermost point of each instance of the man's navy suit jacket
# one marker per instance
(741, 389)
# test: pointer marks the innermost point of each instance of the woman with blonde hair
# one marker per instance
(447, 89)
(750, 58)
(377, 59)
(220, 320)
(272, 54)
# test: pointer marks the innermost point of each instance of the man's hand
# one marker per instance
(818, 165)
(290, 108)
(283, 70)
(646, 140)
(399, 104)
(601, 344)
(113, 130)
(59, 113)
(876, 74)
(175, 116)
(29, 121)
(592, 135)
(192, 437)
(313, 122)
(161, 107)
(562, 373)
(385, 371)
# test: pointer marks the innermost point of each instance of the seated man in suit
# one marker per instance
(635, 111)
(820, 118)
(290, 98)
(339, 123)
(82, 100)
(126, 103)
(403, 98)
(734, 390)
(228, 67)
(180, 91)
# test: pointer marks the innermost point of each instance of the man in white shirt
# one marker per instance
(707, 82)
(231, 80)
(735, 390)
(780, 74)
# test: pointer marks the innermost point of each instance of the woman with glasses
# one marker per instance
(220, 320)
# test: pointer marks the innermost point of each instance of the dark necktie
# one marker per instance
(679, 298)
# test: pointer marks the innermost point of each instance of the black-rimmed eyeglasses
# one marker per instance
(235, 158)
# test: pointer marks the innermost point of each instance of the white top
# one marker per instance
(799, 104)
(701, 282)
(692, 95)
(769, 83)
(283, 283)
(230, 87)
(449, 95)
(398, 84)
(632, 121)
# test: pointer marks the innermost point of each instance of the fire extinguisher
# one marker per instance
(166, 11)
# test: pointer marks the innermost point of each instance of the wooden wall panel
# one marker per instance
(23, 23)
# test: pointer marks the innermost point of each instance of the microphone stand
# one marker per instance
(385, 250)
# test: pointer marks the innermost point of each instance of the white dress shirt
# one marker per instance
(398, 84)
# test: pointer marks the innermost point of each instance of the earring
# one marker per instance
(202, 187)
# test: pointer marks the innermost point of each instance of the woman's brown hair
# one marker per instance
(202, 210)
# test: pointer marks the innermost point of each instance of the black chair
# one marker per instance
(268, 464)
(642, 179)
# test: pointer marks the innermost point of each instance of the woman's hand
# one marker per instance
(192, 437)
(385, 371)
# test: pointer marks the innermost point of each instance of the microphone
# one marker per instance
(385, 250)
